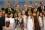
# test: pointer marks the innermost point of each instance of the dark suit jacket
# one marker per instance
(2, 22)
(39, 9)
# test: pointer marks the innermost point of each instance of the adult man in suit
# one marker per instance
(2, 20)
(41, 8)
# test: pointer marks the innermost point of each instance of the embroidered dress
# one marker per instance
(30, 23)
(41, 22)
(12, 23)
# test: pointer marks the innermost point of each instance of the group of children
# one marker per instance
(24, 20)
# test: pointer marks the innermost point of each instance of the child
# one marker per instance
(30, 21)
(40, 18)
(24, 19)
(12, 21)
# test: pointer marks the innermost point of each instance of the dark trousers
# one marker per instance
(1, 28)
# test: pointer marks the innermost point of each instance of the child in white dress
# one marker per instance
(6, 18)
(30, 22)
(20, 21)
(12, 21)
(40, 19)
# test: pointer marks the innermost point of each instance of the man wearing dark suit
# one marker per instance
(41, 8)
(2, 21)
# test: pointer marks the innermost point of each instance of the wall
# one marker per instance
(4, 2)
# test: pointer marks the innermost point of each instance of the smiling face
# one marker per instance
(15, 15)
(40, 14)
(29, 13)
(41, 3)
(19, 14)
(11, 15)
(23, 12)
(34, 13)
